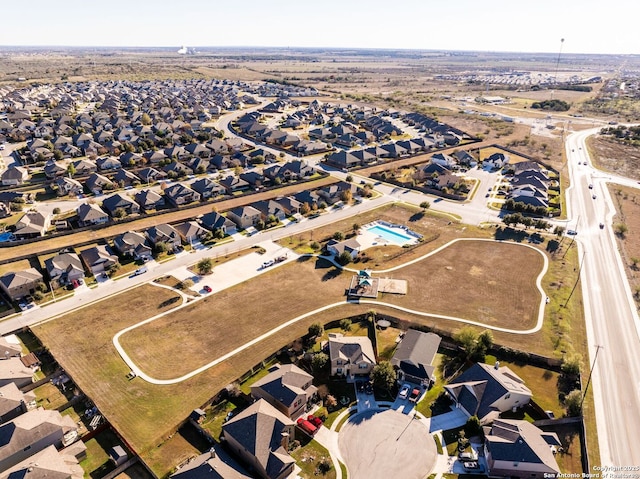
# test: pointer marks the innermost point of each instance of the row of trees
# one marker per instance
(521, 207)
(519, 219)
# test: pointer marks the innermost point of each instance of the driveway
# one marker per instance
(442, 422)
(382, 444)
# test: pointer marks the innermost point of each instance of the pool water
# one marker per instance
(390, 235)
(5, 237)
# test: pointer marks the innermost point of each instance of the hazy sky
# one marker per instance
(588, 26)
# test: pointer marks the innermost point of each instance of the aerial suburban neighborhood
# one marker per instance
(283, 263)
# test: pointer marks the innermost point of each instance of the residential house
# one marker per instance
(90, 214)
(178, 195)
(414, 356)
(20, 283)
(233, 184)
(351, 355)
(215, 221)
(270, 208)
(53, 169)
(344, 160)
(486, 391)
(151, 175)
(32, 225)
(496, 161)
(14, 402)
(9, 347)
(120, 201)
(97, 183)
(518, 449)
(351, 246)
(530, 195)
(207, 188)
(64, 268)
(67, 186)
(164, 233)
(14, 176)
(293, 170)
(108, 163)
(48, 463)
(244, 216)
(444, 160)
(98, 259)
(32, 432)
(191, 232)
(149, 200)
(254, 179)
(259, 436)
(311, 198)
(134, 245)
(13, 370)
(84, 167)
(333, 193)
(287, 388)
(290, 205)
(465, 158)
(213, 464)
(125, 178)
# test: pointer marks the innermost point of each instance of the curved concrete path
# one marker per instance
(132, 365)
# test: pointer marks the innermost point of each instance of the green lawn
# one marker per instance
(216, 415)
(97, 463)
(309, 456)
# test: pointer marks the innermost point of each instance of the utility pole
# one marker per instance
(555, 77)
(593, 365)
(577, 279)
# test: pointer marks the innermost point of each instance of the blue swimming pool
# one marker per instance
(390, 235)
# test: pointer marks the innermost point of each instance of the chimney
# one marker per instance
(284, 442)
(212, 453)
(496, 365)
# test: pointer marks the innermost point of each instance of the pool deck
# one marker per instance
(368, 239)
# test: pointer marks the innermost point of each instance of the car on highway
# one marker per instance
(601, 226)
(572, 232)
(404, 392)
(590, 186)
(207, 289)
(593, 196)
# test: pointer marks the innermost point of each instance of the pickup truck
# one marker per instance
(140, 271)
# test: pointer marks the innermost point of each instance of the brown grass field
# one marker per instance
(615, 157)
(495, 291)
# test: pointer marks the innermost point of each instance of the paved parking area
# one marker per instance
(387, 444)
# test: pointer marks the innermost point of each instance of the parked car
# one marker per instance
(315, 420)
(415, 394)
(140, 271)
(404, 392)
(307, 426)
(207, 289)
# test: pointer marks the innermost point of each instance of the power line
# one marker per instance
(593, 365)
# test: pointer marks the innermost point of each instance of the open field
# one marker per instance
(612, 156)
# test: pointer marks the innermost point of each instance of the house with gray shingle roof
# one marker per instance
(64, 268)
(133, 244)
(244, 216)
(208, 188)
(287, 388)
(215, 221)
(214, 464)
(114, 202)
(20, 283)
(486, 391)
(32, 225)
(98, 258)
(516, 448)
(14, 176)
(164, 233)
(50, 463)
(351, 355)
(90, 214)
(178, 195)
(414, 356)
(259, 436)
(13, 402)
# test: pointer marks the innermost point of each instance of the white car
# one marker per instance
(404, 392)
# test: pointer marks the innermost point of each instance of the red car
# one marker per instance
(307, 427)
(315, 420)
(207, 289)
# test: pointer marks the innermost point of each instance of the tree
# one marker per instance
(475, 345)
(161, 247)
(56, 211)
(558, 231)
(346, 196)
(621, 229)
(383, 375)
(330, 402)
(316, 330)
(355, 227)
(338, 236)
(186, 284)
(145, 119)
(315, 246)
(425, 205)
(305, 209)
(119, 213)
(571, 364)
(345, 324)
(573, 403)
(71, 170)
(319, 362)
(345, 258)
(473, 427)
(204, 266)
(349, 178)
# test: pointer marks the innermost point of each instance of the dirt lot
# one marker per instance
(615, 157)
